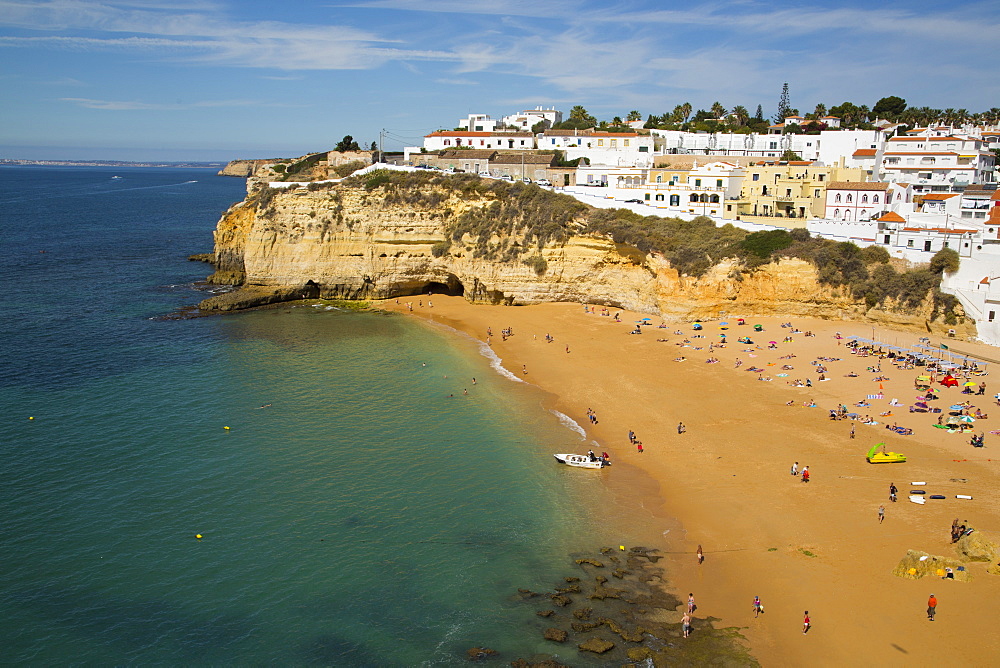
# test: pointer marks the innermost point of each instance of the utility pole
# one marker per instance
(381, 149)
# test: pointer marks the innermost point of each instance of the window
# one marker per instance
(837, 198)
(850, 198)
(756, 177)
(614, 143)
(659, 178)
(600, 142)
(788, 192)
(715, 199)
(980, 214)
(718, 183)
(625, 142)
(816, 193)
(966, 214)
(892, 161)
(773, 145)
(447, 142)
(992, 315)
(646, 197)
(885, 239)
(697, 183)
(694, 198)
(822, 177)
(874, 199)
(675, 200)
(864, 199)
(836, 214)
(659, 197)
(643, 149)
(909, 243)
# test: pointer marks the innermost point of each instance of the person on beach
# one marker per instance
(686, 624)
(881, 514)
(805, 474)
(691, 605)
(795, 468)
(524, 368)
(631, 436)
(852, 430)
(758, 607)
(931, 607)
(638, 446)
(892, 492)
(681, 428)
(473, 381)
(806, 623)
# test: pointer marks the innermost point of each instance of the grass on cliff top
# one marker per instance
(518, 220)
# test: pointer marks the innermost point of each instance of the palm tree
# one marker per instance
(949, 115)
(718, 111)
(634, 115)
(741, 115)
(686, 110)
(617, 120)
(820, 110)
(677, 115)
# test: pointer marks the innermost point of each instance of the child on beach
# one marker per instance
(758, 607)
(806, 623)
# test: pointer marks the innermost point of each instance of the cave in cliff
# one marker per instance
(453, 287)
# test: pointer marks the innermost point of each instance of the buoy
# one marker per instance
(198, 536)
(31, 418)
(621, 547)
(225, 427)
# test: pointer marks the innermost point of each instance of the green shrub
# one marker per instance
(945, 261)
(538, 263)
(440, 248)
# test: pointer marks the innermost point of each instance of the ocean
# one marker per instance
(351, 513)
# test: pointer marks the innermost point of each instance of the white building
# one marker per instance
(525, 120)
(700, 191)
(828, 147)
(447, 139)
(478, 123)
(623, 149)
(863, 201)
(936, 163)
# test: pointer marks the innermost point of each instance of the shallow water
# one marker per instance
(362, 517)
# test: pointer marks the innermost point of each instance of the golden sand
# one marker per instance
(815, 546)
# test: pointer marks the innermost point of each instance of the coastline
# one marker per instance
(814, 546)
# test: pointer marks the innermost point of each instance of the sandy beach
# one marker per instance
(725, 483)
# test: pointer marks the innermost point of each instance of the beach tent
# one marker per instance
(949, 381)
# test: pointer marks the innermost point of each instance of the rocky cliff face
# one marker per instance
(348, 243)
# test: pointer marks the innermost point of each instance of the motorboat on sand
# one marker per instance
(582, 461)
(875, 457)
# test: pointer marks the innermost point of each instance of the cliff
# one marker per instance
(349, 242)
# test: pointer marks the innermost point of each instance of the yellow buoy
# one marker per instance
(621, 547)
(225, 427)
(198, 536)
(31, 418)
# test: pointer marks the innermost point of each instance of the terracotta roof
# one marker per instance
(856, 185)
(833, 117)
(940, 230)
(528, 158)
(470, 153)
(913, 154)
(892, 217)
(589, 132)
(864, 153)
(939, 196)
(985, 281)
(996, 196)
(464, 133)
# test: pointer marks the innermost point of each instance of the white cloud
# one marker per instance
(135, 105)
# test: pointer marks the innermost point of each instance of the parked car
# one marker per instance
(486, 175)
(508, 178)
(526, 180)
(544, 182)
(634, 201)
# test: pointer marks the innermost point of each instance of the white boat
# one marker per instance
(115, 177)
(583, 461)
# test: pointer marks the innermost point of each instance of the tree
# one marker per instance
(790, 156)
(890, 108)
(617, 120)
(820, 110)
(783, 105)
(759, 116)
(740, 115)
(578, 113)
(945, 261)
(846, 112)
(633, 115)
(347, 144)
(686, 110)
(718, 111)
(374, 146)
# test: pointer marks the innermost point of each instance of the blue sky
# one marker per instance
(221, 79)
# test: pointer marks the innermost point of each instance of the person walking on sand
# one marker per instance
(892, 492)
(805, 474)
(806, 623)
(931, 607)
(795, 468)
(691, 605)
(701, 555)
(524, 368)
(881, 514)
(681, 428)
(638, 446)
(686, 624)
(758, 607)
(852, 430)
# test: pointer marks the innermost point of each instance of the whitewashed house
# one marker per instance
(621, 149)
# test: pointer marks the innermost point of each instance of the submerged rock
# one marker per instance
(479, 653)
(561, 600)
(545, 613)
(596, 645)
(592, 562)
(583, 614)
(556, 635)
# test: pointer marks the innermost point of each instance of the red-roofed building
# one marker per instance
(449, 139)
(940, 163)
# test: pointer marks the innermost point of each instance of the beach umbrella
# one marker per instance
(970, 384)
(967, 419)
(723, 323)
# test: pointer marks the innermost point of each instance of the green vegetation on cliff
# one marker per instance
(516, 221)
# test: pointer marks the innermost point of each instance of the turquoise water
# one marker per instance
(361, 518)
